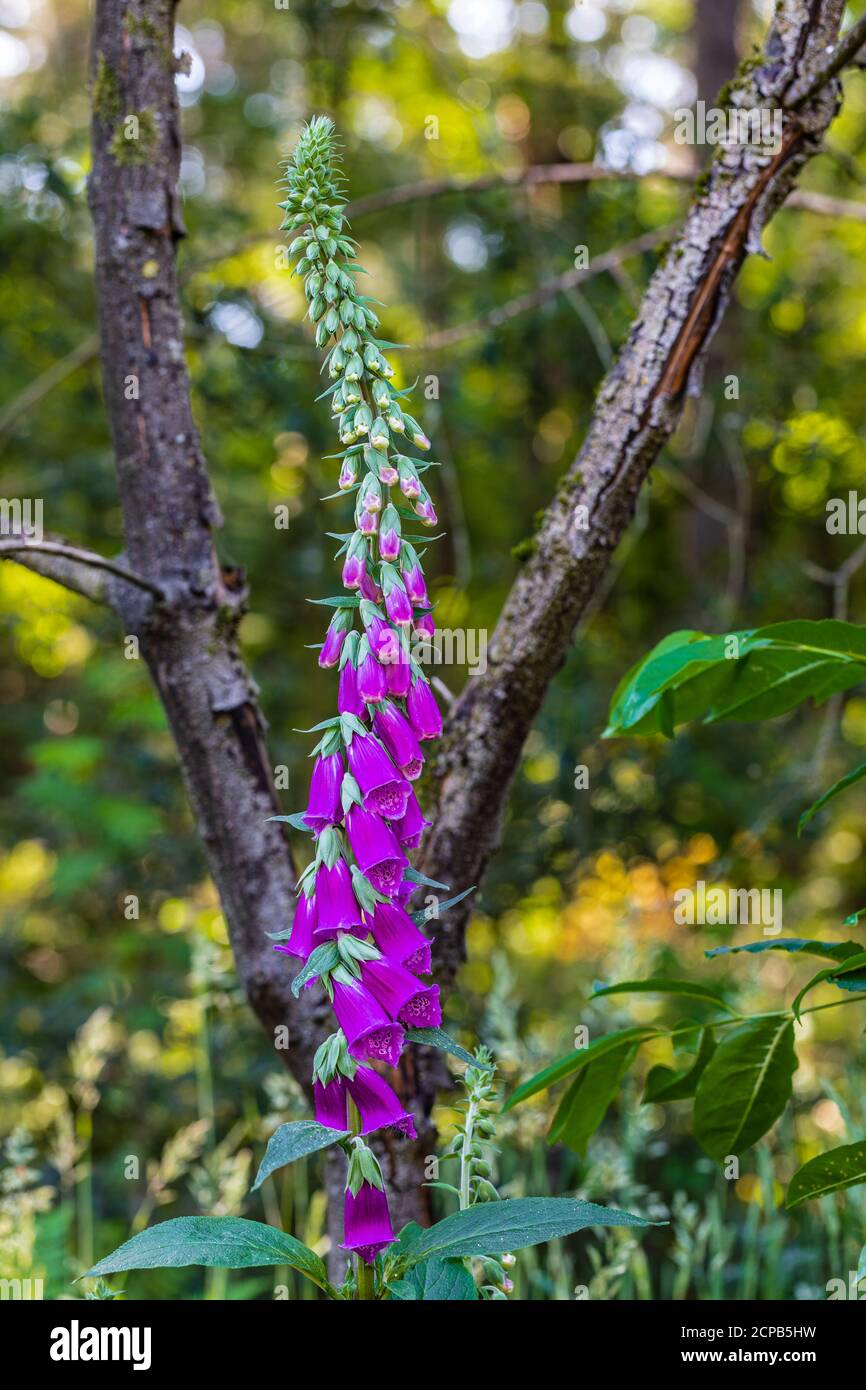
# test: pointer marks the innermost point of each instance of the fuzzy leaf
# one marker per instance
(293, 1141)
(745, 1086)
(216, 1242)
(830, 1172)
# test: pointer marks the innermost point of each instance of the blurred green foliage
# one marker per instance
(112, 934)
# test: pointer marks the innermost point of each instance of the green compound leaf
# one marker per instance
(745, 1086)
(576, 1061)
(663, 1083)
(752, 674)
(684, 988)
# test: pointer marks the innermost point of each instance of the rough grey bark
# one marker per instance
(188, 635)
(636, 410)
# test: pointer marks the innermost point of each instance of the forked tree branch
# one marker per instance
(188, 638)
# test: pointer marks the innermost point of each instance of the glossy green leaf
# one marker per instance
(586, 1102)
(849, 780)
(436, 1281)
(216, 1242)
(853, 967)
(829, 1172)
(426, 914)
(323, 958)
(745, 1086)
(752, 674)
(494, 1227)
(684, 988)
(293, 1141)
(437, 1037)
(831, 950)
(664, 1084)
(576, 1061)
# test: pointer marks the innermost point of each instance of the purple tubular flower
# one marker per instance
(349, 471)
(334, 638)
(366, 522)
(367, 1222)
(411, 826)
(330, 1103)
(404, 891)
(369, 589)
(423, 710)
(416, 584)
(424, 509)
(380, 636)
(382, 787)
(324, 806)
(389, 534)
(348, 698)
(401, 995)
(397, 734)
(370, 1033)
(399, 939)
(355, 564)
(301, 941)
(336, 905)
(372, 679)
(397, 605)
(423, 625)
(378, 1106)
(376, 848)
(398, 675)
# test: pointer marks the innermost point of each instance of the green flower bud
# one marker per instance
(379, 436)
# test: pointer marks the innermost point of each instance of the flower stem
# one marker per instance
(364, 1282)
(465, 1159)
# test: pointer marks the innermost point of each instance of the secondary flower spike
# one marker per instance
(362, 813)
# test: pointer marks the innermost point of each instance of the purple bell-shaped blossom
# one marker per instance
(367, 1222)
(301, 941)
(370, 1034)
(401, 995)
(348, 696)
(337, 907)
(423, 710)
(410, 828)
(398, 736)
(324, 806)
(398, 938)
(389, 534)
(335, 637)
(375, 848)
(378, 1105)
(383, 788)
(372, 678)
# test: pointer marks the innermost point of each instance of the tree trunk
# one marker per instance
(184, 608)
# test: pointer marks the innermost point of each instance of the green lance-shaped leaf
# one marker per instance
(295, 1140)
(849, 780)
(492, 1228)
(322, 959)
(436, 1280)
(576, 1061)
(850, 975)
(745, 1086)
(684, 988)
(436, 1037)
(829, 1172)
(586, 1102)
(216, 1242)
(663, 1083)
(752, 674)
(831, 950)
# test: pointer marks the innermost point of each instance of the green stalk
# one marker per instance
(365, 1287)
